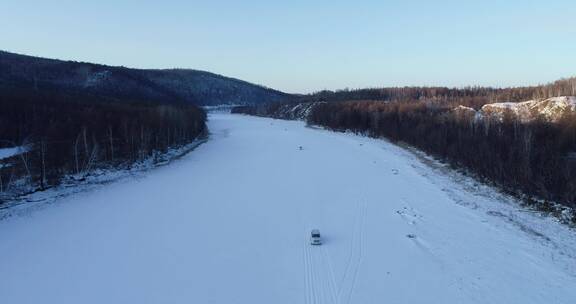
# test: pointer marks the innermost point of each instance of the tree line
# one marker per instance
(67, 134)
(481, 95)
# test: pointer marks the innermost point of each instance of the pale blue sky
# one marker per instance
(304, 46)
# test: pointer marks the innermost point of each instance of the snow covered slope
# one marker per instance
(9, 152)
(550, 109)
(230, 222)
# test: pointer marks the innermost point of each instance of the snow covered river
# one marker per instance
(230, 223)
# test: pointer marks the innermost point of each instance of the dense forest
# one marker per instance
(68, 134)
(534, 159)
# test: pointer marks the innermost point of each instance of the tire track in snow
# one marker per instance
(328, 291)
(311, 291)
(358, 246)
(321, 286)
(307, 276)
(320, 282)
(322, 273)
(357, 218)
(361, 250)
(333, 289)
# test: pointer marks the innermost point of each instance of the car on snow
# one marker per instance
(315, 238)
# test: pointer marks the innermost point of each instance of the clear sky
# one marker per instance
(305, 46)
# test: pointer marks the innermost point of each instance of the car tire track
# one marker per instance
(321, 286)
(357, 218)
(313, 291)
(358, 250)
(361, 250)
(320, 283)
(332, 281)
(309, 299)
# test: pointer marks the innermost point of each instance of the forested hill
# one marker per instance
(20, 72)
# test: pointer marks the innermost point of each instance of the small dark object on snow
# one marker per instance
(300, 148)
(411, 236)
(315, 237)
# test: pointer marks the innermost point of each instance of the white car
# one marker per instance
(315, 237)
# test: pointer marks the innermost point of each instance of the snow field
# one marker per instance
(230, 223)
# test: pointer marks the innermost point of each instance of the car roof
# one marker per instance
(315, 231)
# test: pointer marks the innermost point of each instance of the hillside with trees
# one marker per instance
(120, 83)
(68, 120)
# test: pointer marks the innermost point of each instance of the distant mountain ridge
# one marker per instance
(24, 72)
